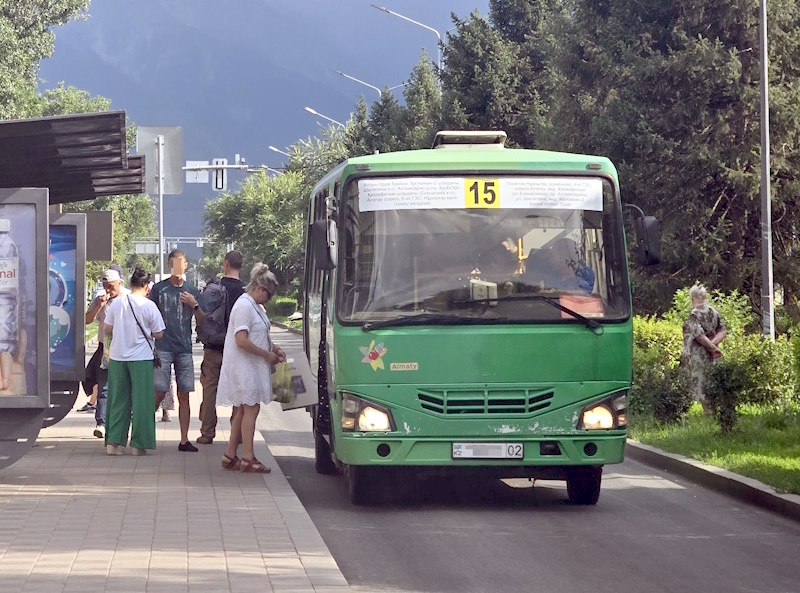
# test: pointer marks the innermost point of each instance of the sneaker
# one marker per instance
(115, 450)
(137, 451)
(98, 432)
(86, 408)
(205, 440)
(187, 447)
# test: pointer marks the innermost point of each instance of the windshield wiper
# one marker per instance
(592, 324)
(418, 319)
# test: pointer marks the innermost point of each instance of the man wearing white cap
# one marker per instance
(112, 284)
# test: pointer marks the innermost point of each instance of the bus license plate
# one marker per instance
(487, 451)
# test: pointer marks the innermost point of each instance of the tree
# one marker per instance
(670, 93)
(64, 100)
(496, 74)
(385, 128)
(134, 218)
(357, 134)
(26, 38)
(265, 218)
(423, 112)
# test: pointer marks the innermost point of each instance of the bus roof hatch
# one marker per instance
(467, 139)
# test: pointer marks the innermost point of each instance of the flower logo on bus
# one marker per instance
(373, 355)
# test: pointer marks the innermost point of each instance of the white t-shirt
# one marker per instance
(101, 314)
(127, 341)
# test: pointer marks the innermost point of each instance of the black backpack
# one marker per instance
(212, 332)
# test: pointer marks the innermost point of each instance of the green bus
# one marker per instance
(467, 309)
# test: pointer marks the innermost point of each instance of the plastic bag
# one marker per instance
(282, 390)
(106, 352)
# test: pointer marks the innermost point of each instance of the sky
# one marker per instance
(237, 74)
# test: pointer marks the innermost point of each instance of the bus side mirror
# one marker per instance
(323, 241)
(648, 239)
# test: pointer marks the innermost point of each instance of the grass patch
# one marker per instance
(294, 324)
(765, 444)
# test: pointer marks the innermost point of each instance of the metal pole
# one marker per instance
(160, 173)
(353, 78)
(767, 292)
(438, 37)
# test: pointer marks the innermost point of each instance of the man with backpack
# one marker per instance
(219, 298)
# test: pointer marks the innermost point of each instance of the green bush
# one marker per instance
(734, 308)
(659, 390)
(768, 367)
(726, 383)
(794, 346)
(281, 306)
(764, 372)
(657, 335)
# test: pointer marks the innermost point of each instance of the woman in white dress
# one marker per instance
(245, 380)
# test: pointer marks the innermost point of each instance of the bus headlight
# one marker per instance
(373, 419)
(610, 412)
(597, 418)
(361, 415)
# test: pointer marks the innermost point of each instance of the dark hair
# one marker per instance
(235, 259)
(140, 278)
(118, 268)
(175, 253)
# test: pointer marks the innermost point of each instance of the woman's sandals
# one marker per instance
(253, 466)
(232, 464)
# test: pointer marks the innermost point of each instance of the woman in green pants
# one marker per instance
(133, 322)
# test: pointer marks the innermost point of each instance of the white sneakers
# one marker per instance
(115, 450)
(120, 450)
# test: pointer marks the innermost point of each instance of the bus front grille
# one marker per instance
(484, 402)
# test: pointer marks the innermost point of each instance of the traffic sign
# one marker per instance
(199, 175)
(220, 180)
(172, 157)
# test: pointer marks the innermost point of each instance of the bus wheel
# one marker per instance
(323, 462)
(583, 484)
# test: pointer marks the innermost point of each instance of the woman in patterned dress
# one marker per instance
(702, 333)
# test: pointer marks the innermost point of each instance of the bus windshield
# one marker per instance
(421, 246)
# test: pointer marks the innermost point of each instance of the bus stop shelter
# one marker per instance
(74, 158)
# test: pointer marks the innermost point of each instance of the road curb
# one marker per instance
(710, 476)
(317, 560)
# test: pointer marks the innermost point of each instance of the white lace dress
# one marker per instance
(245, 378)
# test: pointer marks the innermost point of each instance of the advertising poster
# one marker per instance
(63, 297)
(18, 327)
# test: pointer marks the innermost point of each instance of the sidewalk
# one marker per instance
(73, 519)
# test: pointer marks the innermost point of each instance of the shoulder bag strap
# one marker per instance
(263, 317)
(146, 339)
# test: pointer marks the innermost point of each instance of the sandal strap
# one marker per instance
(229, 463)
(253, 466)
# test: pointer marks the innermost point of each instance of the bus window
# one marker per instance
(429, 259)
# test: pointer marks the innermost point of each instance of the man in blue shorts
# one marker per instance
(178, 302)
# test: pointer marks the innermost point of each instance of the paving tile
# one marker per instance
(73, 519)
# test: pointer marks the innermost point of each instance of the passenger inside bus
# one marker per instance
(559, 268)
(500, 261)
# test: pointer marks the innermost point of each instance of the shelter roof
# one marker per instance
(78, 157)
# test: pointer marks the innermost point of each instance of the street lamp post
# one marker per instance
(260, 168)
(278, 150)
(379, 91)
(767, 292)
(438, 36)
(312, 112)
